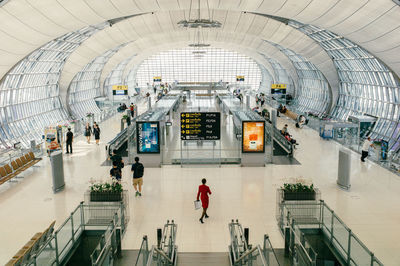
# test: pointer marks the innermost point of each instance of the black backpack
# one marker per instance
(139, 170)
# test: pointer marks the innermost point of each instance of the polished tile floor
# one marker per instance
(371, 208)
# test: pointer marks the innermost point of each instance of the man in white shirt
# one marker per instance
(365, 147)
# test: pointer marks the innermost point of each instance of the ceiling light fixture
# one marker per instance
(199, 43)
(199, 22)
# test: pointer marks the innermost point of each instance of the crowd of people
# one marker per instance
(137, 169)
(260, 99)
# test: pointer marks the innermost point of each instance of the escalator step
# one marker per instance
(206, 258)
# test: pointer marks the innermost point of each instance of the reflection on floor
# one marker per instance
(284, 160)
(371, 208)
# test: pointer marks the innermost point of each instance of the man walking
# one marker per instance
(118, 159)
(365, 147)
(70, 138)
(138, 171)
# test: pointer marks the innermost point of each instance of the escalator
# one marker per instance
(165, 253)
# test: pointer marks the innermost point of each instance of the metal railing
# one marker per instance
(269, 253)
(318, 215)
(143, 254)
(241, 253)
(165, 253)
(238, 244)
(107, 246)
(84, 217)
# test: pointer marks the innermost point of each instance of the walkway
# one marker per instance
(371, 209)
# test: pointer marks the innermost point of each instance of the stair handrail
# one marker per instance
(234, 238)
(248, 252)
(144, 248)
(159, 251)
(268, 247)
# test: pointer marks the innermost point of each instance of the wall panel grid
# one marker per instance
(115, 77)
(209, 64)
(29, 93)
(85, 86)
(367, 86)
(281, 75)
(313, 92)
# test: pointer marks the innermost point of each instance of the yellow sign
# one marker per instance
(278, 86)
(120, 87)
(157, 79)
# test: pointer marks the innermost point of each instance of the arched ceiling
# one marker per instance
(29, 24)
(148, 30)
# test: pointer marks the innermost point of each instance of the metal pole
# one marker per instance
(332, 213)
(122, 215)
(72, 228)
(56, 247)
(348, 248)
(321, 212)
(82, 216)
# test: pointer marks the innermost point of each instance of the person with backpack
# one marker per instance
(138, 171)
(118, 159)
(116, 172)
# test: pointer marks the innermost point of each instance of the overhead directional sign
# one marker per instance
(278, 86)
(200, 126)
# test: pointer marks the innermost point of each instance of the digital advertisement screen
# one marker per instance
(148, 137)
(253, 136)
(278, 91)
(120, 92)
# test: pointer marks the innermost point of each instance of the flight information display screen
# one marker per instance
(148, 137)
(201, 126)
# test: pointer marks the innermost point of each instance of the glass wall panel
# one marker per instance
(29, 93)
(367, 86)
(209, 64)
(281, 75)
(115, 77)
(313, 93)
(85, 86)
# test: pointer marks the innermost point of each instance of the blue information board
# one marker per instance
(148, 137)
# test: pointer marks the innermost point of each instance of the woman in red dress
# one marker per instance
(204, 191)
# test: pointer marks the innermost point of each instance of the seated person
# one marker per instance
(290, 139)
(284, 130)
(265, 113)
(256, 109)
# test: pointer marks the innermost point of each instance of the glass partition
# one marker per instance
(84, 217)
(350, 248)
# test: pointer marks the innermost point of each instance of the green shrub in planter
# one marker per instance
(298, 191)
(106, 192)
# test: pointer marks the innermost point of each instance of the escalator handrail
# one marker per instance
(248, 252)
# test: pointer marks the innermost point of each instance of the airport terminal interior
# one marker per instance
(200, 132)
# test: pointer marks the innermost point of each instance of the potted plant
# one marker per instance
(298, 191)
(106, 191)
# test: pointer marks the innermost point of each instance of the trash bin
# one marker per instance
(343, 180)
(57, 169)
